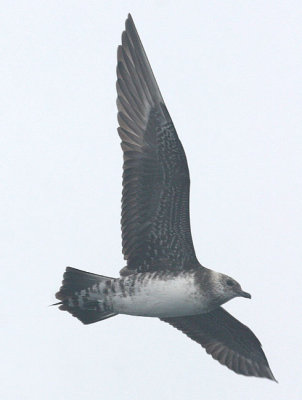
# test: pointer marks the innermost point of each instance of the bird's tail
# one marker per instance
(85, 295)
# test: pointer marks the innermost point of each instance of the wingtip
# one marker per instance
(266, 372)
(129, 24)
(129, 20)
(271, 376)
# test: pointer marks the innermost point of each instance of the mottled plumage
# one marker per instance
(163, 277)
(155, 204)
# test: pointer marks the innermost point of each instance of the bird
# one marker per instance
(162, 277)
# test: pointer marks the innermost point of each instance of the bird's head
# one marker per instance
(226, 288)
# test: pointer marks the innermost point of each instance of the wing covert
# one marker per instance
(155, 203)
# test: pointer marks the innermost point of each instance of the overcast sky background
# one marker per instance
(230, 73)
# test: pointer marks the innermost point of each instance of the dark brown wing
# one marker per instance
(155, 205)
(227, 340)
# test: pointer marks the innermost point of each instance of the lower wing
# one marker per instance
(227, 340)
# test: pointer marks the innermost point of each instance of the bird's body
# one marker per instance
(159, 295)
(156, 294)
(163, 277)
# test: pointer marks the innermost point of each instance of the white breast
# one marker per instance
(154, 296)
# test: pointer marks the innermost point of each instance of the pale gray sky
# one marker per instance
(230, 73)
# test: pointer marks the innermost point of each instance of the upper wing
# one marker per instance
(155, 205)
(227, 340)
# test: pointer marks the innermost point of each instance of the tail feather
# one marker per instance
(85, 295)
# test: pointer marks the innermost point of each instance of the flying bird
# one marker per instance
(163, 277)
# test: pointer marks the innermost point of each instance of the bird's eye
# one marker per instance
(229, 282)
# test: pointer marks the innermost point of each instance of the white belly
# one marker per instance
(155, 297)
